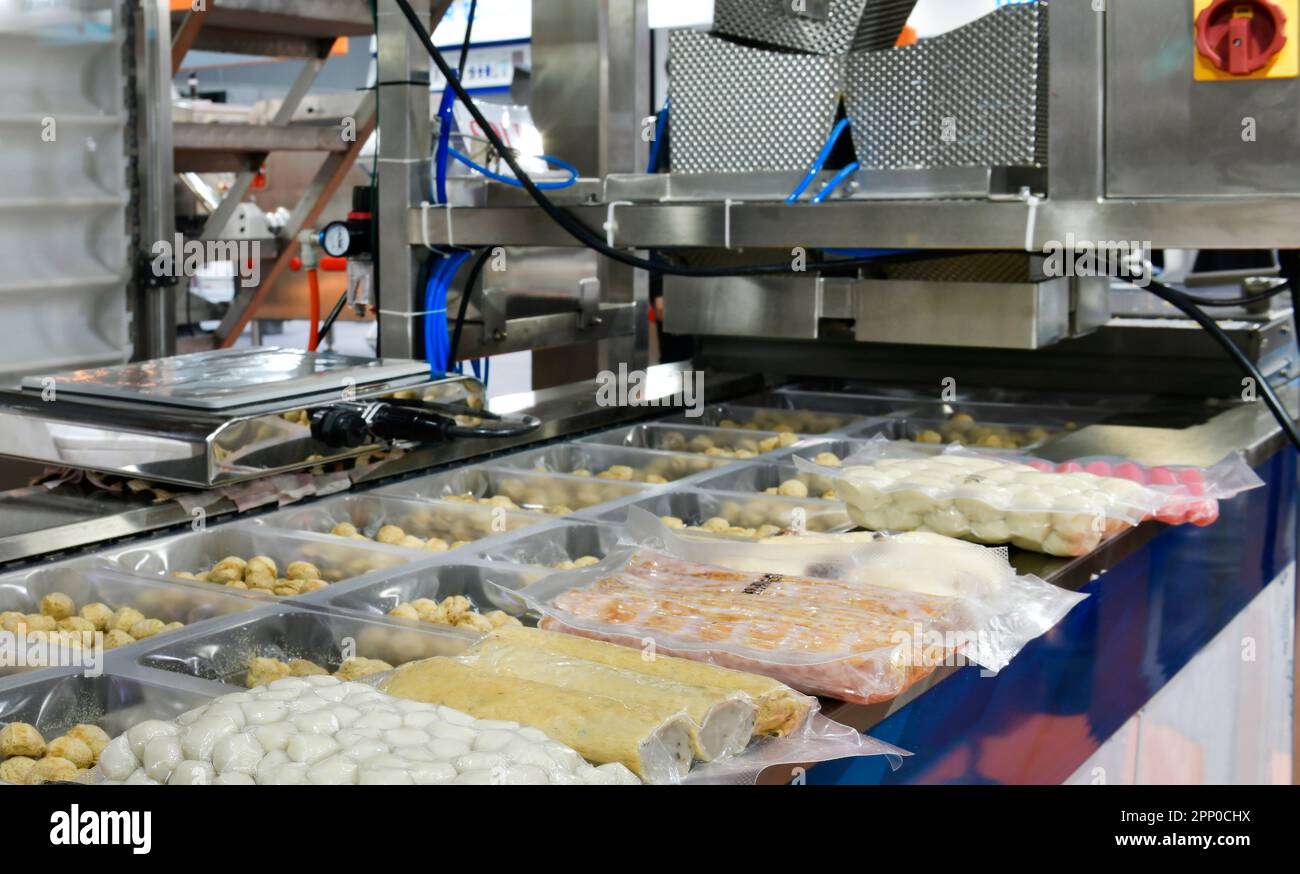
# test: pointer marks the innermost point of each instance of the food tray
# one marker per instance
(681, 438)
(370, 512)
(337, 559)
(841, 448)
(220, 651)
(747, 511)
(556, 494)
(770, 419)
(480, 582)
(568, 457)
(547, 547)
(967, 393)
(855, 406)
(55, 701)
(156, 599)
(758, 477)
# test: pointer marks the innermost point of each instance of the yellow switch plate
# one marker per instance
(1285, 66)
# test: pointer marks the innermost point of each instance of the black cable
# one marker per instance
(1237, 301)
(572, 225)
(464, 48)
(474, 271)
(1274, 403)
(333, 317)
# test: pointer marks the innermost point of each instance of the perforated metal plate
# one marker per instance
(974, 97)
(824, 27)
(738, 109)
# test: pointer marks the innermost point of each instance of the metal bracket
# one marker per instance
(588, 303)
(491, 307)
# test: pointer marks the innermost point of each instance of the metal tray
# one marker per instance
(225, 379)
(552, 493)
(370, 512)
(55, 701)
(971, 394)
(548, 547)
(761, 477)
(682, 438)
(770, 419)
(220, 651)
(569, 457)
(156, 599)
(827, 402)
(336, 558)
(482, 583)
(746, 511)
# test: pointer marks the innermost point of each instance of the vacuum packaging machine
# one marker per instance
(240, 518)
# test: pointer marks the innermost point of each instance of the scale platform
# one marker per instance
(209, 418)
(222, 380)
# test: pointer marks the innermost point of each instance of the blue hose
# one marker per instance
(437, 343)
(447, 118)
(661, 125)
(836, 182)
(510, 180)
(820, 162)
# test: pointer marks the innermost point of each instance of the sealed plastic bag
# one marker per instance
(1191, 494)
(930, 564)
(1063, 509)
(844, 639)
(654, 715)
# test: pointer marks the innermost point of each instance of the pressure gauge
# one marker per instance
(336, 239)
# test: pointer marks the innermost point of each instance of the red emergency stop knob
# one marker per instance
(1241, 36)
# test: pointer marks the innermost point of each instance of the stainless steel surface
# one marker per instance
(789, 307)
(152, 303)
(972, 97)
(1168, 135)
(932, 308)
(201, 448)
(738, 109)
(226, 379)
(989, 315)
(590, 82)
(404, 179)
(898, 184)
(1235, 223)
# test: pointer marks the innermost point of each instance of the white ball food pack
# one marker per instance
(324, 731)
(987, 499)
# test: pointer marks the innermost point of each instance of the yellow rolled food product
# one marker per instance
(602, 730)
(722, 720)
(781, 710)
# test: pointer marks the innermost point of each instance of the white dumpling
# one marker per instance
(192, 773)
(336, 770)
(237, 753)
(139, 735)
(117, 761)
(162, 755)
